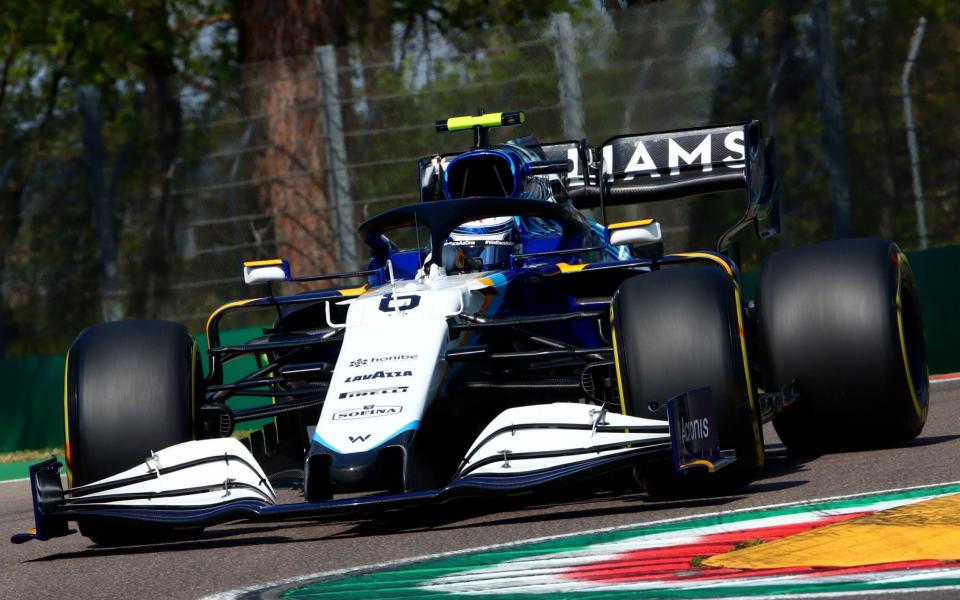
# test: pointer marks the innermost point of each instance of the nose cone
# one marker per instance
(357, 472)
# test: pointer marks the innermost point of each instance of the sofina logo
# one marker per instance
(366, 412)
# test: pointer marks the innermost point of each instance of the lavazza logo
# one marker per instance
(367, 411)
(400, 389)
(378, 375)
(382, 359)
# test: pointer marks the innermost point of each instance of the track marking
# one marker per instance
(945, 378)
(255, 590)
(928, 530)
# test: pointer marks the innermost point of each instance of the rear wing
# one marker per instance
(631, 169)
(637, 168)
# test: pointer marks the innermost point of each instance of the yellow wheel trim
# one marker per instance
(903, 345)
(68, 455)
(616, 364)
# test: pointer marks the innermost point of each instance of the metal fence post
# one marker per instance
(338, 177)
(565, 54)
(828, 94)
(912, 133)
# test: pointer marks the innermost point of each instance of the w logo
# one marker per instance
(359, 438)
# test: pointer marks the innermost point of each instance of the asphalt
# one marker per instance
(241, 555)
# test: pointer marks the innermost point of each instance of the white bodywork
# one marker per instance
(511, 434)
(223, 480)
(640, 235)
(391, 361)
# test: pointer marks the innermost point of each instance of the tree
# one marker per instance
(276, 44)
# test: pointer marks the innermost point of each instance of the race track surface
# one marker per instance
(236, 556)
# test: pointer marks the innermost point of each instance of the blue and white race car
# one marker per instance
(501, 340)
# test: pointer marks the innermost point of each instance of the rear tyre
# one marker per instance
(677, 330)
(842, 317)
(131, 388)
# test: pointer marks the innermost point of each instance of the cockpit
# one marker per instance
(481, 173)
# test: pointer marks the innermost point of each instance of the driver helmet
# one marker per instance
(482, 244)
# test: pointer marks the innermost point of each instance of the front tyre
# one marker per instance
(677, 330)
(843, 318)
(132, 387)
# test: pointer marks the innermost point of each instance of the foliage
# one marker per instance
(181, 140)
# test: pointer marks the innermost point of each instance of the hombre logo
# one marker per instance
(378, 375)
(359, 362)
(400, 389)
(358, 438)
(365, 412)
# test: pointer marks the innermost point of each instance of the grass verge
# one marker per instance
(24, 455)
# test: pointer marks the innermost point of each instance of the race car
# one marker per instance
(501, 340)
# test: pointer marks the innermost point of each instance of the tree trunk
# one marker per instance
(151, 294)
(276, 48)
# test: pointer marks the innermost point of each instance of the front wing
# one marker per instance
(211, 482)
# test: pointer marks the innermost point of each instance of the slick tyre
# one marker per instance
(131, 388)
(677, 330)
(843, 319)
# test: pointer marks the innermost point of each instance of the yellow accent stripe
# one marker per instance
(224, 308)
(67, 450)
(928, 530)
(353, 291)
(706, 463)
(903, 349)
(616, 365)
(488, 282)
(758, 438)
(271, 262)
(627, 224)
(567, 268)
(713, 257)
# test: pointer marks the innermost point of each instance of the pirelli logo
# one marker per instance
(400, 389)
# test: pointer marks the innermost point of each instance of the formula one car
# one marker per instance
(503, 341)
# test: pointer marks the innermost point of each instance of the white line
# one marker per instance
(953, 377)
(14, 480)
(233, 594)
